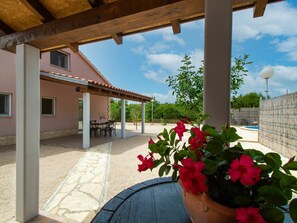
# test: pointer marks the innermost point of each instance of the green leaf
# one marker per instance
(214, 146)
(265, 169)
(157, 162)
(168, 168)
(273, 160)
(172, 138)
(291, 166)
(165, 135)
(174, 175)
(231, 135)
(210, 166)
(210, 130)
(272, 195)
(242, 200)
(293, 209)
(255, 154)
(162, 170)
(273, 215)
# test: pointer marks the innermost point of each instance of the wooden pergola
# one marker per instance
(28, 27)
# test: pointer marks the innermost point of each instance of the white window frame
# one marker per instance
(68, 59)
(9, 104)
(54, 106)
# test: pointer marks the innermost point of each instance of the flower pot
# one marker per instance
(203, 209)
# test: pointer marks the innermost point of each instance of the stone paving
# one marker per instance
(81, 194)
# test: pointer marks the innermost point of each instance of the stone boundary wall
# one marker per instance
(278, 124)
(9, 140)
(251, 115)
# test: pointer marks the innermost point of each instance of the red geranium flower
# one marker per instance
(151, 141)
(180, 129)
(248, 215)
(244, 170)
(198, 140)
(147, 163)
(192, 178)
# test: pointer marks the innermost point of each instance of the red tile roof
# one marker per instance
(80, 81)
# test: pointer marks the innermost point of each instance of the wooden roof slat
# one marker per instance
(38, 9)
(116, 17)
(260, 7)
(78, 22)
(176, 26)
(6, 28)
(74, 47)
(95, 3)
(118, 38)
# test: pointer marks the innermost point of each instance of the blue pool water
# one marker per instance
(253, 127)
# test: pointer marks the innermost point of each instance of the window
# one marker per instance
(5, 104)
(60, 59)
(48, 106)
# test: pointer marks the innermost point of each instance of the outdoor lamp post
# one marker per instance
(267, 73)
(153, 100)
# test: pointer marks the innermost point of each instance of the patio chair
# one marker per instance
(93, 128)
(112, 128)
(244, 122)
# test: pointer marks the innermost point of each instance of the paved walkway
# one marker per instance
(83, 190)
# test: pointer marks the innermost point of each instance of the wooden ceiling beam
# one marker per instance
(6, 28)
(176, 26)
(95, 3)
(259, 8)
(39, 10)
(118, 38)
(99, 23)
(74, 47)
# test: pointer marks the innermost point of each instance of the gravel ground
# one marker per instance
(55, 164)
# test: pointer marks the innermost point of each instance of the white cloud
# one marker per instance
(158, 47)
(163, 98)
(174, 38)
(138, 38)
(139, 50)
(278, 20)
(284, 79)
(170, 62)
(158, 76)
(288, 46)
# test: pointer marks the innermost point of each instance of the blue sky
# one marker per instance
(144, 61)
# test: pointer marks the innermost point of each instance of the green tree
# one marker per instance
(115, 110)
(246, 101)
(187, 85)
(135, 113)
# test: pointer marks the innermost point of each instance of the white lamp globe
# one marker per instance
(267, 72)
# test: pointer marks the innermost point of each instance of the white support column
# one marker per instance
(86, 120)
(217, 60)
(27, 132)
(123, 118)
(143, 118)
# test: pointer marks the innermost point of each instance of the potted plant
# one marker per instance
(250, 186)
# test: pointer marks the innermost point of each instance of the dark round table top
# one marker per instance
(153, 201)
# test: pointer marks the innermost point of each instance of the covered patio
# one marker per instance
(29, 28)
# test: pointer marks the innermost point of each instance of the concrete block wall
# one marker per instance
(249, 114)
(278, 124)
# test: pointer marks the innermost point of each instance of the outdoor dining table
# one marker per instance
(154, 201)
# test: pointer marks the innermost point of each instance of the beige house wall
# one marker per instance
(65, 120)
